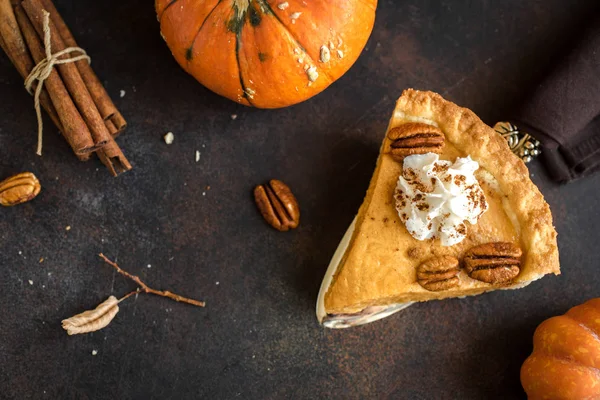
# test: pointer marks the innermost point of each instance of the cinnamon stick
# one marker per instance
(74, 128)
(113, 158)
(119, 122)
(70, 75)
(13, 43)
(103, 101)
(14, 46)
(111, 128)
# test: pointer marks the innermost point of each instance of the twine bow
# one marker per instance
(43, 70)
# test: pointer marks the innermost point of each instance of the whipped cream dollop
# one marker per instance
(435, 197)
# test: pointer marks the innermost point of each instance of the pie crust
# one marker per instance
(378, 265)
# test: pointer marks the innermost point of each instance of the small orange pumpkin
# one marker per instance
(566, 356)
(266, 53)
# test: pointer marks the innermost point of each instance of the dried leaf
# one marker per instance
(92, 320)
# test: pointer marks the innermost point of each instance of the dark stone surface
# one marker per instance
(258, 336)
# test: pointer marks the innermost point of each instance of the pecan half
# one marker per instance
(497, 262)
(18, 189)
(415, 138)
(438, 273)
(277, 204)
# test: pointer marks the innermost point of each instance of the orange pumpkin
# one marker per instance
(266, 53)
(566, 356)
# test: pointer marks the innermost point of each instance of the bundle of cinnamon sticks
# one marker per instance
(72, 94)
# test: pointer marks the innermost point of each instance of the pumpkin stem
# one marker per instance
(240, 7)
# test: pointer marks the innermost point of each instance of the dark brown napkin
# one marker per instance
(563, 112)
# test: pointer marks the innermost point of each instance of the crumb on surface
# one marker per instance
(68, 228)
(94, 352)
(197, 156)
(234, 116)
(149, 266)
(122, 93)
(169, 137)
(30, 282)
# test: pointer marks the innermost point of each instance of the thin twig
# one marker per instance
(136, 291)
(146, 289)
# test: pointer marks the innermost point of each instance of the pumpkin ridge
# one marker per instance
(574, 315)
(566, 360)
(238, 40)
(268, 7)
(241, 16)
(561, 356)
(188, 51)
(584, 326)
(165, 10)
(562, 362)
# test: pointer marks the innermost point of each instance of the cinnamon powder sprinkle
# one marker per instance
(409, 174)
(440, 168)
(458, 179)
(423, 206)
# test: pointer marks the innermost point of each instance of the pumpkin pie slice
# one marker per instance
(450, 212)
